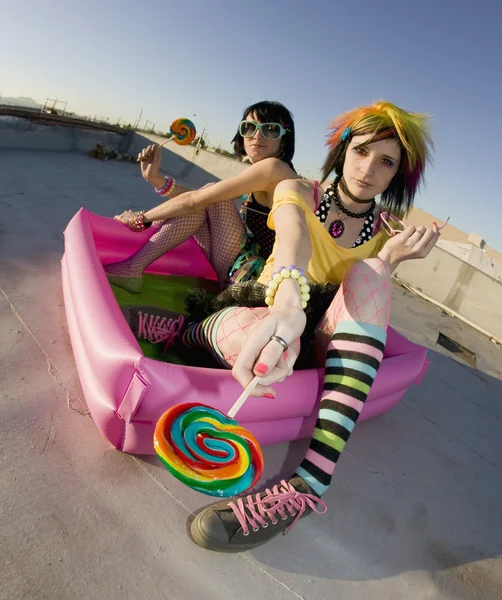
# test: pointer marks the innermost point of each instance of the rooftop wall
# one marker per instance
(39, 131)
(25, 134)
(417, 216)
(458, 285)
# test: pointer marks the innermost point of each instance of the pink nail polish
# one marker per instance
(269, 396)
(261, 368)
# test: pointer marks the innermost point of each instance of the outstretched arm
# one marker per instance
(262, 176)
(286, 318)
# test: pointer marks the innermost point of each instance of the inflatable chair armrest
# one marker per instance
(132, 398)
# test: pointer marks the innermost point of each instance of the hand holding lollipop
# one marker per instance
(183, 133)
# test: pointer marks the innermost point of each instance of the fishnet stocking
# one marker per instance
(226, 235)
(234, 329)
(225, 332)
(364, 296)
(218, 230)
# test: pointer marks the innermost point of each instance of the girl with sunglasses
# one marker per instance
(328, 284)
(266, 135)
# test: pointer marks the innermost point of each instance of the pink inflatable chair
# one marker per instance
(127, 392)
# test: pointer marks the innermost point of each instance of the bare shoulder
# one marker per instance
(303, 187)
(275, 168)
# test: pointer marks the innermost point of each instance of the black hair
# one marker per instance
(271, 112)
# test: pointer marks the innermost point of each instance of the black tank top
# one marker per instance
(256, 222)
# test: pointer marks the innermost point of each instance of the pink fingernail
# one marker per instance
(261, 368)
(284, 355)
(269, 396)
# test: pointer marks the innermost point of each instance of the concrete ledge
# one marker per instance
(24, 134)
(457, 285)
(22, 130)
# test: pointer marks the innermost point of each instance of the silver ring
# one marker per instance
(282, 342)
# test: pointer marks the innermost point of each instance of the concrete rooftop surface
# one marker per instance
(414, 511)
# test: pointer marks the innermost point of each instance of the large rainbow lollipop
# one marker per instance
(183, 131)
(208, 450)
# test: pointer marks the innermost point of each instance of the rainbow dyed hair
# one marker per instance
(384, 120)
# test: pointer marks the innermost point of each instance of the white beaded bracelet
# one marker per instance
(280, 275)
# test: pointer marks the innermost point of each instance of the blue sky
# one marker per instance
(174, 58)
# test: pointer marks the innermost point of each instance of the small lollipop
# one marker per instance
(208, 450)
(183, 131)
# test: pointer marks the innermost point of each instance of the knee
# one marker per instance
(373, 270)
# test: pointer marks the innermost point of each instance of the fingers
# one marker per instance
(270, 357)
(434, 236)
(262, 391)
(407, 233)
(278, 367)
(279, 373)
(424, 240)
(264, 358)
(413, 242)
(148, 153)
(246, 360)
(124, 217)
(416, 236)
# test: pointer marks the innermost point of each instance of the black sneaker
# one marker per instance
(241, 524)
(155, 325)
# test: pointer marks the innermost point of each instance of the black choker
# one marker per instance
(337, 227)
(347, 192)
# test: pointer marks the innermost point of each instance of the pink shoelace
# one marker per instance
(254, 510)
(158, 329)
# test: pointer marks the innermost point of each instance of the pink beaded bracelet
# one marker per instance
(137, 221)
(168, 187)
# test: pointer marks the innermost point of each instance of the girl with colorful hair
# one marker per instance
(266, 135)
(328, 283)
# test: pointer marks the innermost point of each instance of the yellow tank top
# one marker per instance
(329, 262)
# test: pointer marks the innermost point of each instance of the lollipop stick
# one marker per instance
(160, 146)
(243, 397)
(165, 142)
